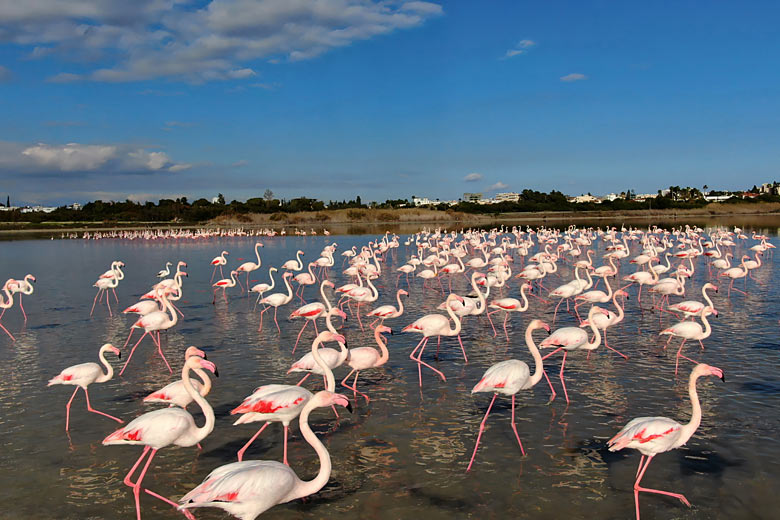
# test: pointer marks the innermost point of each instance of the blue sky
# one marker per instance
(331, 99)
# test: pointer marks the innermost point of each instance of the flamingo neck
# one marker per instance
(707, 327)
(205, 407)
(400, 303)
(538, 365)
(524, 305)
(310, 487)
(271, 275)
(593, 345)
(257, 253)
(692, 425)
(109, 369)
(331, 380)
(707, 297)
(382, 347)
(298, 259)
(7, 304)
(480, 307)
(205, 387)
(289, 288)
(325, 298)
(453, 317)
(619, 308)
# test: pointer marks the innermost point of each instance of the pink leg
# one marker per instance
(677, 358)
(304, 378)
(610, 348)
(67, 409)
(22, 307)
(491, 324)
(556, 311)
(421, 362)
(514, 427)
(108, 304)
(137, 485)
(286, 429)
(128, 337)
(89, 407)
(354, 387)
(358, 316)
(702, 344)
(115, 296)
(6, 331)
(563, 383)
(462, 349)
(305, 322)
(638, 488)
(212, 274)
(261, 319)
(481, 429)
(277, 323)
(159, 350)
(242, 450)
(131, 353)
(94, 302)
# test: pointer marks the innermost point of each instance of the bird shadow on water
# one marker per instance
(762, 387)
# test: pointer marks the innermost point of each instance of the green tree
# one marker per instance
(268, 195)
(221, 199)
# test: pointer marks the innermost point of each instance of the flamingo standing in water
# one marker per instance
(165, 427)
(691, 308)
(276, 300)
(5, 305)
(312, 311)
(219, 261)
(282, 403)
(262, 288)
(248, 267)
(85, 374)
(690, 330)
(20, 287)
(175, 394)
(509, 377)
(304, 279)
(386, 312)
(511, 305)
(247, 489)
(294, 265)
(152, 324)
(165, 272)
(603, 322)
(654, 435)
(363, 358)
(573, 338)
(434, 325)
(331, 357)
(106, 282)
(735, 273)
(224, 284)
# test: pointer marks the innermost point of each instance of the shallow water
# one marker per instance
(406, 452)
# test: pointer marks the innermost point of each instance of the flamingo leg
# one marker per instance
(242, 450)
(286, 429)
(131, 353)
(158, 343)
(67, 409)
(261, 319)
(421, 362)
(514, 427)
(506, 317)
(22, 307)
(305, 322)
(89, 408)
(556, 311)
(354, 387)
(6, 331)
(677, 358)
(481, 430)
(304, 378)
(277, 323)
(108, 304)
(94, 302)
(610, 348)
(212, 274)
(463, 349)
(563, 383)
(638, 488)
(325, 386)
(128, 337)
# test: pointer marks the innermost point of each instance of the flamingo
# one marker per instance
(294, 265)
(363, 295)
(276, 300)
(248, 267)
(165, 272)
(690, 330)
(305, 279)
(385, 312)
(218, 261)
(643, 278)
(573, 338)
(434, 325)
(603, 322)
(735, 273)
(5, 305)
(21, 287)
(152, 323)
(363, 358)
(224, 284)
(108, 282)
(85, 374)
(693, 308)
(247, 489)
(262, 288)
(511, 305)
(312, 311)
(165, 427)
(654, 435)
(282, 403)
(509, 377)
(331, 357)
(175, 394)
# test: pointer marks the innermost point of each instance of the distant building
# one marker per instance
(37, 209)
(75, 206)
(584, 198)
(716, 198)
(645, 196)
(507, 197)
(770, 188)
(610, 197)
(422, 201)
(472, 197)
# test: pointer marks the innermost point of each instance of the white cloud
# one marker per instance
(473, 177)
(521, 48)
(197, 42)
(574, 77)
(513, 52)
(5, 74)
(497, 186)
(70, 157)
(45, 158)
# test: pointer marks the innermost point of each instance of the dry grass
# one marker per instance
(350, 216)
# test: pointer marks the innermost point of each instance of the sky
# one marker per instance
(332, 99)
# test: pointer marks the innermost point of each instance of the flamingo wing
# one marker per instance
(264, 401)
(157, 429)
(647, 434)
(83, 373)
(510, 374)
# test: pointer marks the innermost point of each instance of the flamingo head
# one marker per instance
(328, 283)
(706, 370)
(711, 286)
(234, 273)
(402, 292)
(112, 348)
(288, 274)
(181, 264)
(382, 329)
(199, 362)
(323, 399)
(182, 273)
(710, 311)
(225, 253)
(621, 292)
(30, 278)
(454, 296)
(478, 275)
(194, 351)
(338, 312)
(329, 336)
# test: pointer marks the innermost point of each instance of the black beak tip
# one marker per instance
(119, 355)
(723, 378)
(392, 333)
(349, 407)
(205, 356)
(216, 372)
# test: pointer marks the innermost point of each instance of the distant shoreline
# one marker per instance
(407, 217)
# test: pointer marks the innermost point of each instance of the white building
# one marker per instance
(422, 201)
(507, 197)
(584, 198)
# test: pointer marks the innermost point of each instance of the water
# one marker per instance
(406, 452)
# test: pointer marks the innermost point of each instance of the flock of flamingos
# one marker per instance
(490, 261)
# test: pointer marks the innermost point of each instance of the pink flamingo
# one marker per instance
(434, 325)
(21, 287)
(573, 338)
(385, 312)
(104, 283)
(85, 374)
(331, 357)
(735, 273)
(509, 377)
(165, 427)
(294, 265)
(175, 394)
(142, 308)
(303, 280)
(224, 284)
(693, 308)
(153, 323)
(642, 278)
(690, 330)
(312, 311)
(282, 403)
(219, 261)
(509, 305)
(603, 322)
(276, 300)
(262, 288)
(363, 358)
(247, 489)
(7, 304)
(248, 267)
(363, 295)
(654, 435)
